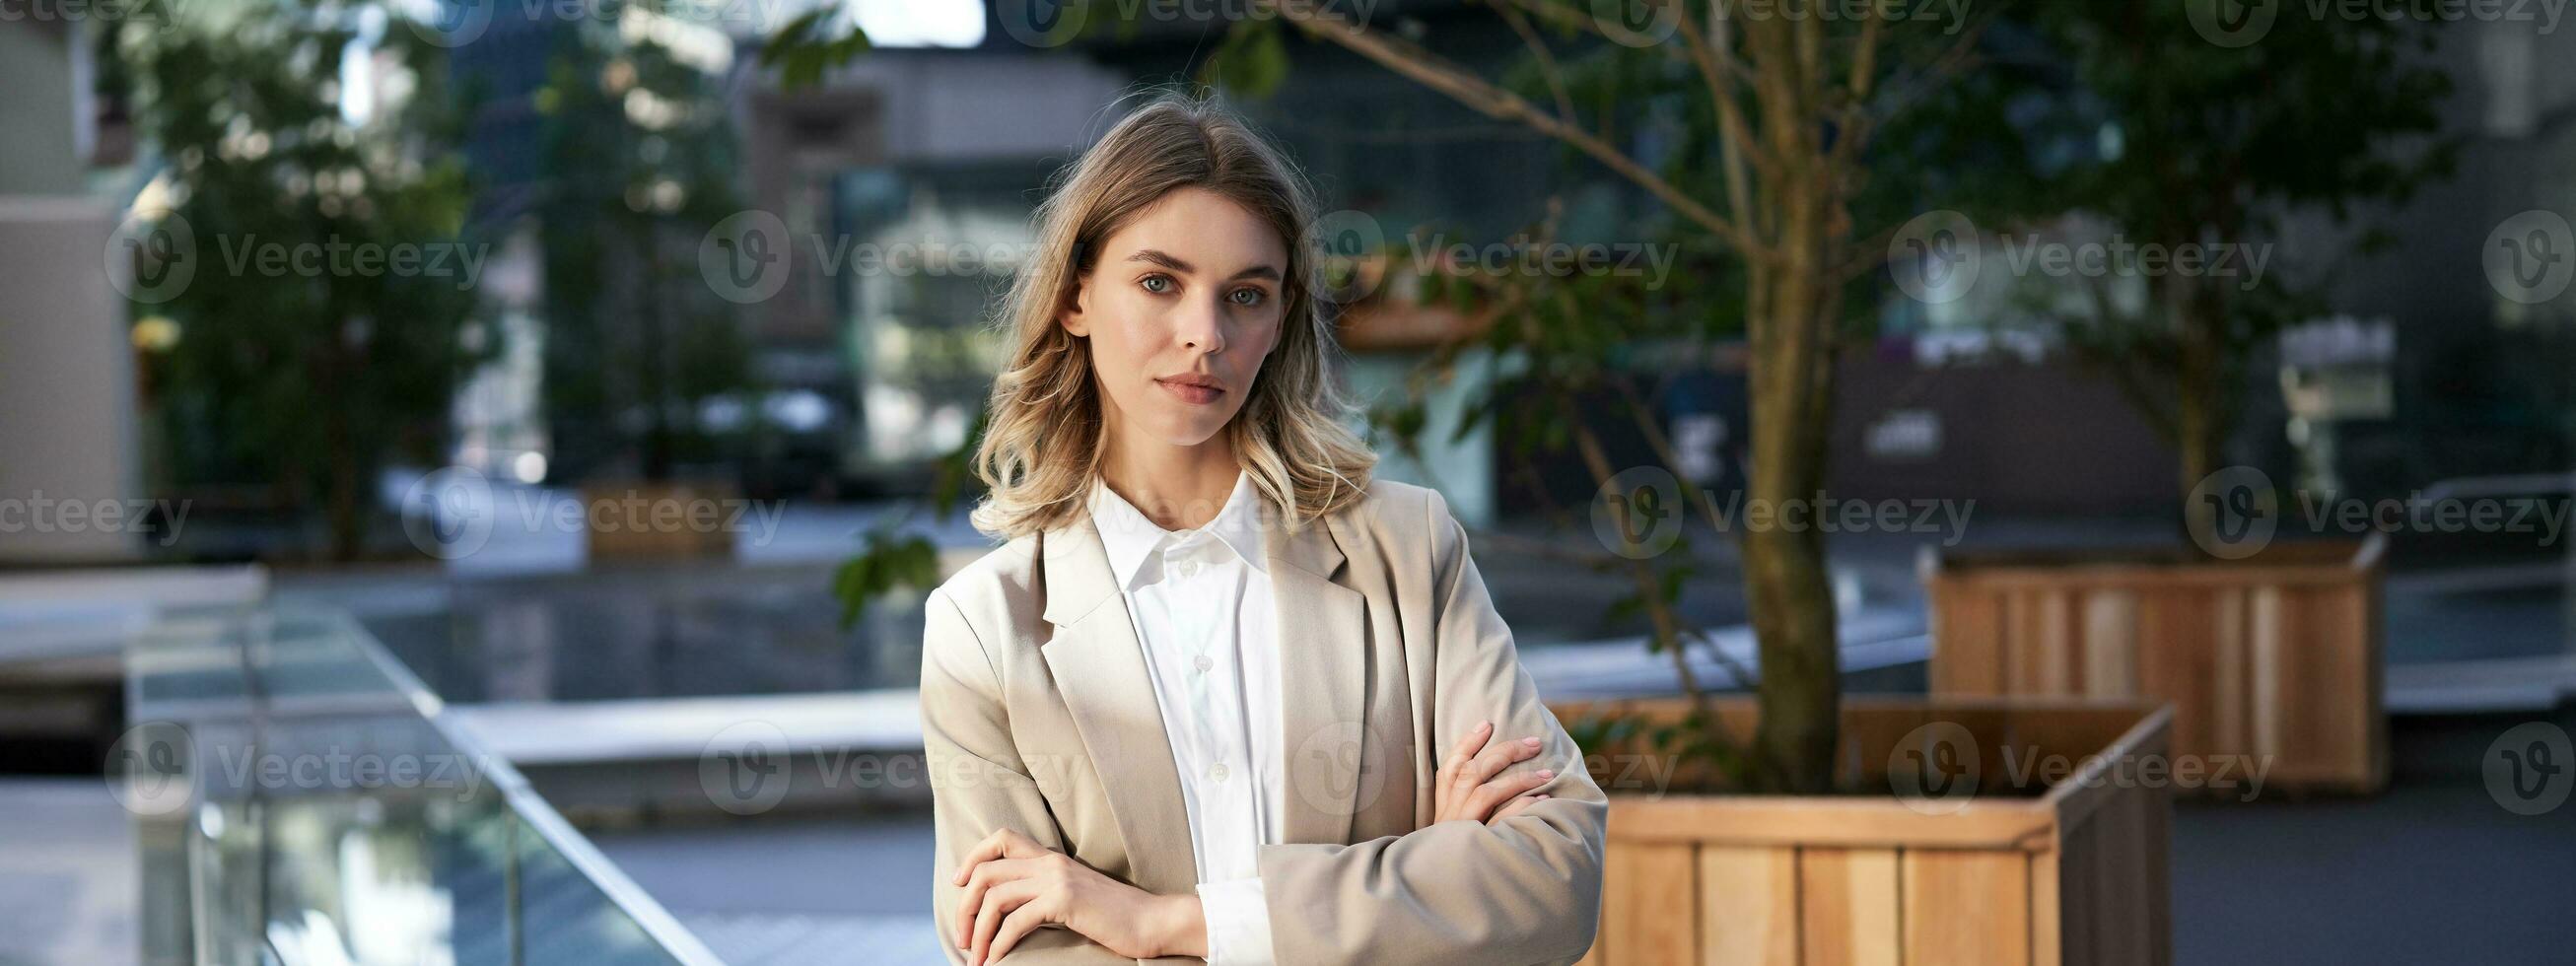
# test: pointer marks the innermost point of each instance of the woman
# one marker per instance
(1221, 695)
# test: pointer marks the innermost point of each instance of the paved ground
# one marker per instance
(2434, 871)
(68, 876)
(789, 892)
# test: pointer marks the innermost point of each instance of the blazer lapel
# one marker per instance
(1100, 670)
(1322, 631)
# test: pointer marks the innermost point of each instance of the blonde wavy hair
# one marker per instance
(1044, 439)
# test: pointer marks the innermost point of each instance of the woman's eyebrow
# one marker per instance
(1165, 259)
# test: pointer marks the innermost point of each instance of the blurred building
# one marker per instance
(67, 425)
(903, 175)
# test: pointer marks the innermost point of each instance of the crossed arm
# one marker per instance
(1509, 870)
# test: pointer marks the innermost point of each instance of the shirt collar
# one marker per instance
(1130, 536)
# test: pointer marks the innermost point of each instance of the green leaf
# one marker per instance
(1252, 62)
(890, 561)
(807, 46)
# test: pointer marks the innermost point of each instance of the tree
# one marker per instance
(1771, 113)
(2215, 138)
(307, 354)
(642, 159)
(1775, 111)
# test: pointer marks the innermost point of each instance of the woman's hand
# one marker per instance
(1015, 886)
(1468, 788)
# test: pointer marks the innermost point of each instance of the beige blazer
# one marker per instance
(1037, 714)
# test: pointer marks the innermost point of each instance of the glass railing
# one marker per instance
(300, 800)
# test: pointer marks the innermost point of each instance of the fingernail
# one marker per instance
(1547, 773)
(1532, 742)
(1483, 725)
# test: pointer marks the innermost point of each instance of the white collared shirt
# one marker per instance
(1201, 605)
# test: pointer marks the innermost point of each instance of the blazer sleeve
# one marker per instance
(978, 781)
(1523, 890)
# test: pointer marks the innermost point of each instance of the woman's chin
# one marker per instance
(1191, 430)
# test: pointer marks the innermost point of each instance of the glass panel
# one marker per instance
(302, 803)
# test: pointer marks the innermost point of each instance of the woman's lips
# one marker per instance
(1193, 394)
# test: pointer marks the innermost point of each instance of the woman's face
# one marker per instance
(1182, 306)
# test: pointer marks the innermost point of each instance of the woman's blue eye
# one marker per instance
(1157, 284)
(1249, 296)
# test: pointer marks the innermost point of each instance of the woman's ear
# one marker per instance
(1070, 313)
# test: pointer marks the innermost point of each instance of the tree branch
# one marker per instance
(1429, 69)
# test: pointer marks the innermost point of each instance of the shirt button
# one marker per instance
(1217, 771)
(1203, 663)
(1189, 569)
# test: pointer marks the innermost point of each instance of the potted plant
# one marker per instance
(2269, 648)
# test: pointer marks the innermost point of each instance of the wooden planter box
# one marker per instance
(2073, 874)
(639, 520)
(2274, 659)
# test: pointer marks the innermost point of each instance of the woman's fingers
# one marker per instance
(1468, 747)
(1002, 902)
(1496, 793)
(979, 889)
(1468, 786)
(1495, 759)
(1003, 843)
(1516, 806)
(1022, 921)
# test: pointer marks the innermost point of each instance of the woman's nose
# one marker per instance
(1202, 325)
